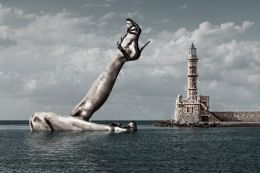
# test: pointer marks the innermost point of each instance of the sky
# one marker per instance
(52, 51)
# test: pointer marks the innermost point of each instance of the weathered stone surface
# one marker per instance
(172, 123)
(190, 110)
(238, 116)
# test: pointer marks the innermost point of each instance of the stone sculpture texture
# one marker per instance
(99, 92)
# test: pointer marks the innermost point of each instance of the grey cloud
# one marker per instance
(6, 37)
(98, 3)
(105, 19)
(184, 6)
(7, 42)
(133, 14)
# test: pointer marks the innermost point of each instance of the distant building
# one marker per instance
(194, 108)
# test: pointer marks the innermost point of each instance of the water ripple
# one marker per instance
(151, 149)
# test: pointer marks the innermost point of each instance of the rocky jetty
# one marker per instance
(173, 123)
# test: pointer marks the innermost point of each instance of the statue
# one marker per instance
(97, 95)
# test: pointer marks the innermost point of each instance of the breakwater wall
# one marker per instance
(238, 116)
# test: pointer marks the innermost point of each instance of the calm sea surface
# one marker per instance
(151, 149)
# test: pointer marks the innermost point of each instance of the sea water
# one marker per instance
(150, 149)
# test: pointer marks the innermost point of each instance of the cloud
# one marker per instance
(6, 37)
(184, 6)
(133, 15)
(99, 4)
(105, 19)
(15, 15)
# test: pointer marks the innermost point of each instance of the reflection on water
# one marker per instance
(76, 149)
(63, 141)
(151, 149)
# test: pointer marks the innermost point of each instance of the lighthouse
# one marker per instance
(193, 108)
(192, 73)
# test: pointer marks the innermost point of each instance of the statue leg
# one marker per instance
(83, 110)
(52, 122)
(102, 87)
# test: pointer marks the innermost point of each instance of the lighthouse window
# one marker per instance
(192, 69)
(193, 51)
(190, 109)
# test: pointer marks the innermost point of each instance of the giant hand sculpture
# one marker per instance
(97, 95)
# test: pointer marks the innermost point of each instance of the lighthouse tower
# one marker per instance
(192, 73)
(194, 108)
